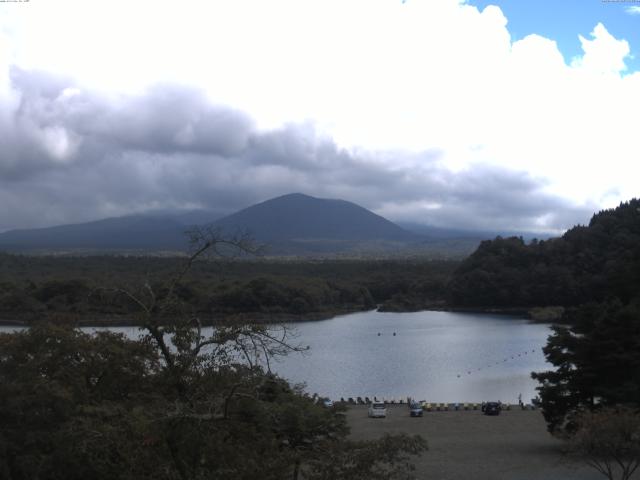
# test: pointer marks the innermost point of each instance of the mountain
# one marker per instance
(301, 217)
(131, 232)
(297, 224)
(293, 224)
(436, 233)
(432, 233)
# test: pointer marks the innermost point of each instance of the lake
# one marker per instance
(435, 356)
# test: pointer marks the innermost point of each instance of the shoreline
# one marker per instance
(207, 321)
(536, 314)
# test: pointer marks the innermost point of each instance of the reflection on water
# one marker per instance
(437, 356)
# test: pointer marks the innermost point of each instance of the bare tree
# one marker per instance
(609, 441)
(177, 331)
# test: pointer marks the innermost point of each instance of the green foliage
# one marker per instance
(57, 384)
(175, 404)
(586, 264)
(597, 362)
(79, 406)
(42, 287)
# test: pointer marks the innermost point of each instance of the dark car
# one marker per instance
(415, 409)
(492, 408)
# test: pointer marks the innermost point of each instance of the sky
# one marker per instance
(515, 115)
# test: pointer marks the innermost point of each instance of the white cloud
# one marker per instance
(373, 74)
(633, 10)
(603, 54)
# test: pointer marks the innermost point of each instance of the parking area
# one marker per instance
(466, 445)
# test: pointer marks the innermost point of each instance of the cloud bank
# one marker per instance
(70, 155)
(421, 111)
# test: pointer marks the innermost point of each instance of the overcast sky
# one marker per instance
(473, 114)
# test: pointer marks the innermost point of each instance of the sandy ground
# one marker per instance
(467, 445)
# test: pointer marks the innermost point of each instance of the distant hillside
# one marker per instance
(134, 232)
(297, 217)
(291, 224)
(435, 233)
(112, 233)
(586, 264)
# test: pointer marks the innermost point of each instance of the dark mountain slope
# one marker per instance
(291, 224)
(297, 216)
(131, 232)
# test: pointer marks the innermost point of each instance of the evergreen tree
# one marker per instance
(597, 362)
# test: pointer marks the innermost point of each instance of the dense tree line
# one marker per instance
(592, 398)
(587, 264)
(79, 406)
(597, 360)
(33, 287)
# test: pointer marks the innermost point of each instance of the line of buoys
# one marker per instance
(513, 357)
(431, 406)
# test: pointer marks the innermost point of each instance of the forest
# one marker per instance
(86, 288)
(589, 263)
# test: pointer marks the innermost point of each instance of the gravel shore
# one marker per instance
(467, 445)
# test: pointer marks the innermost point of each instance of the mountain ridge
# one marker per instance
(291, 224)
(296, 215)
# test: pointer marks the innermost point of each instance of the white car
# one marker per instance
(377, 409)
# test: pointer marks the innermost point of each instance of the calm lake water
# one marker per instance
(436, 356)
